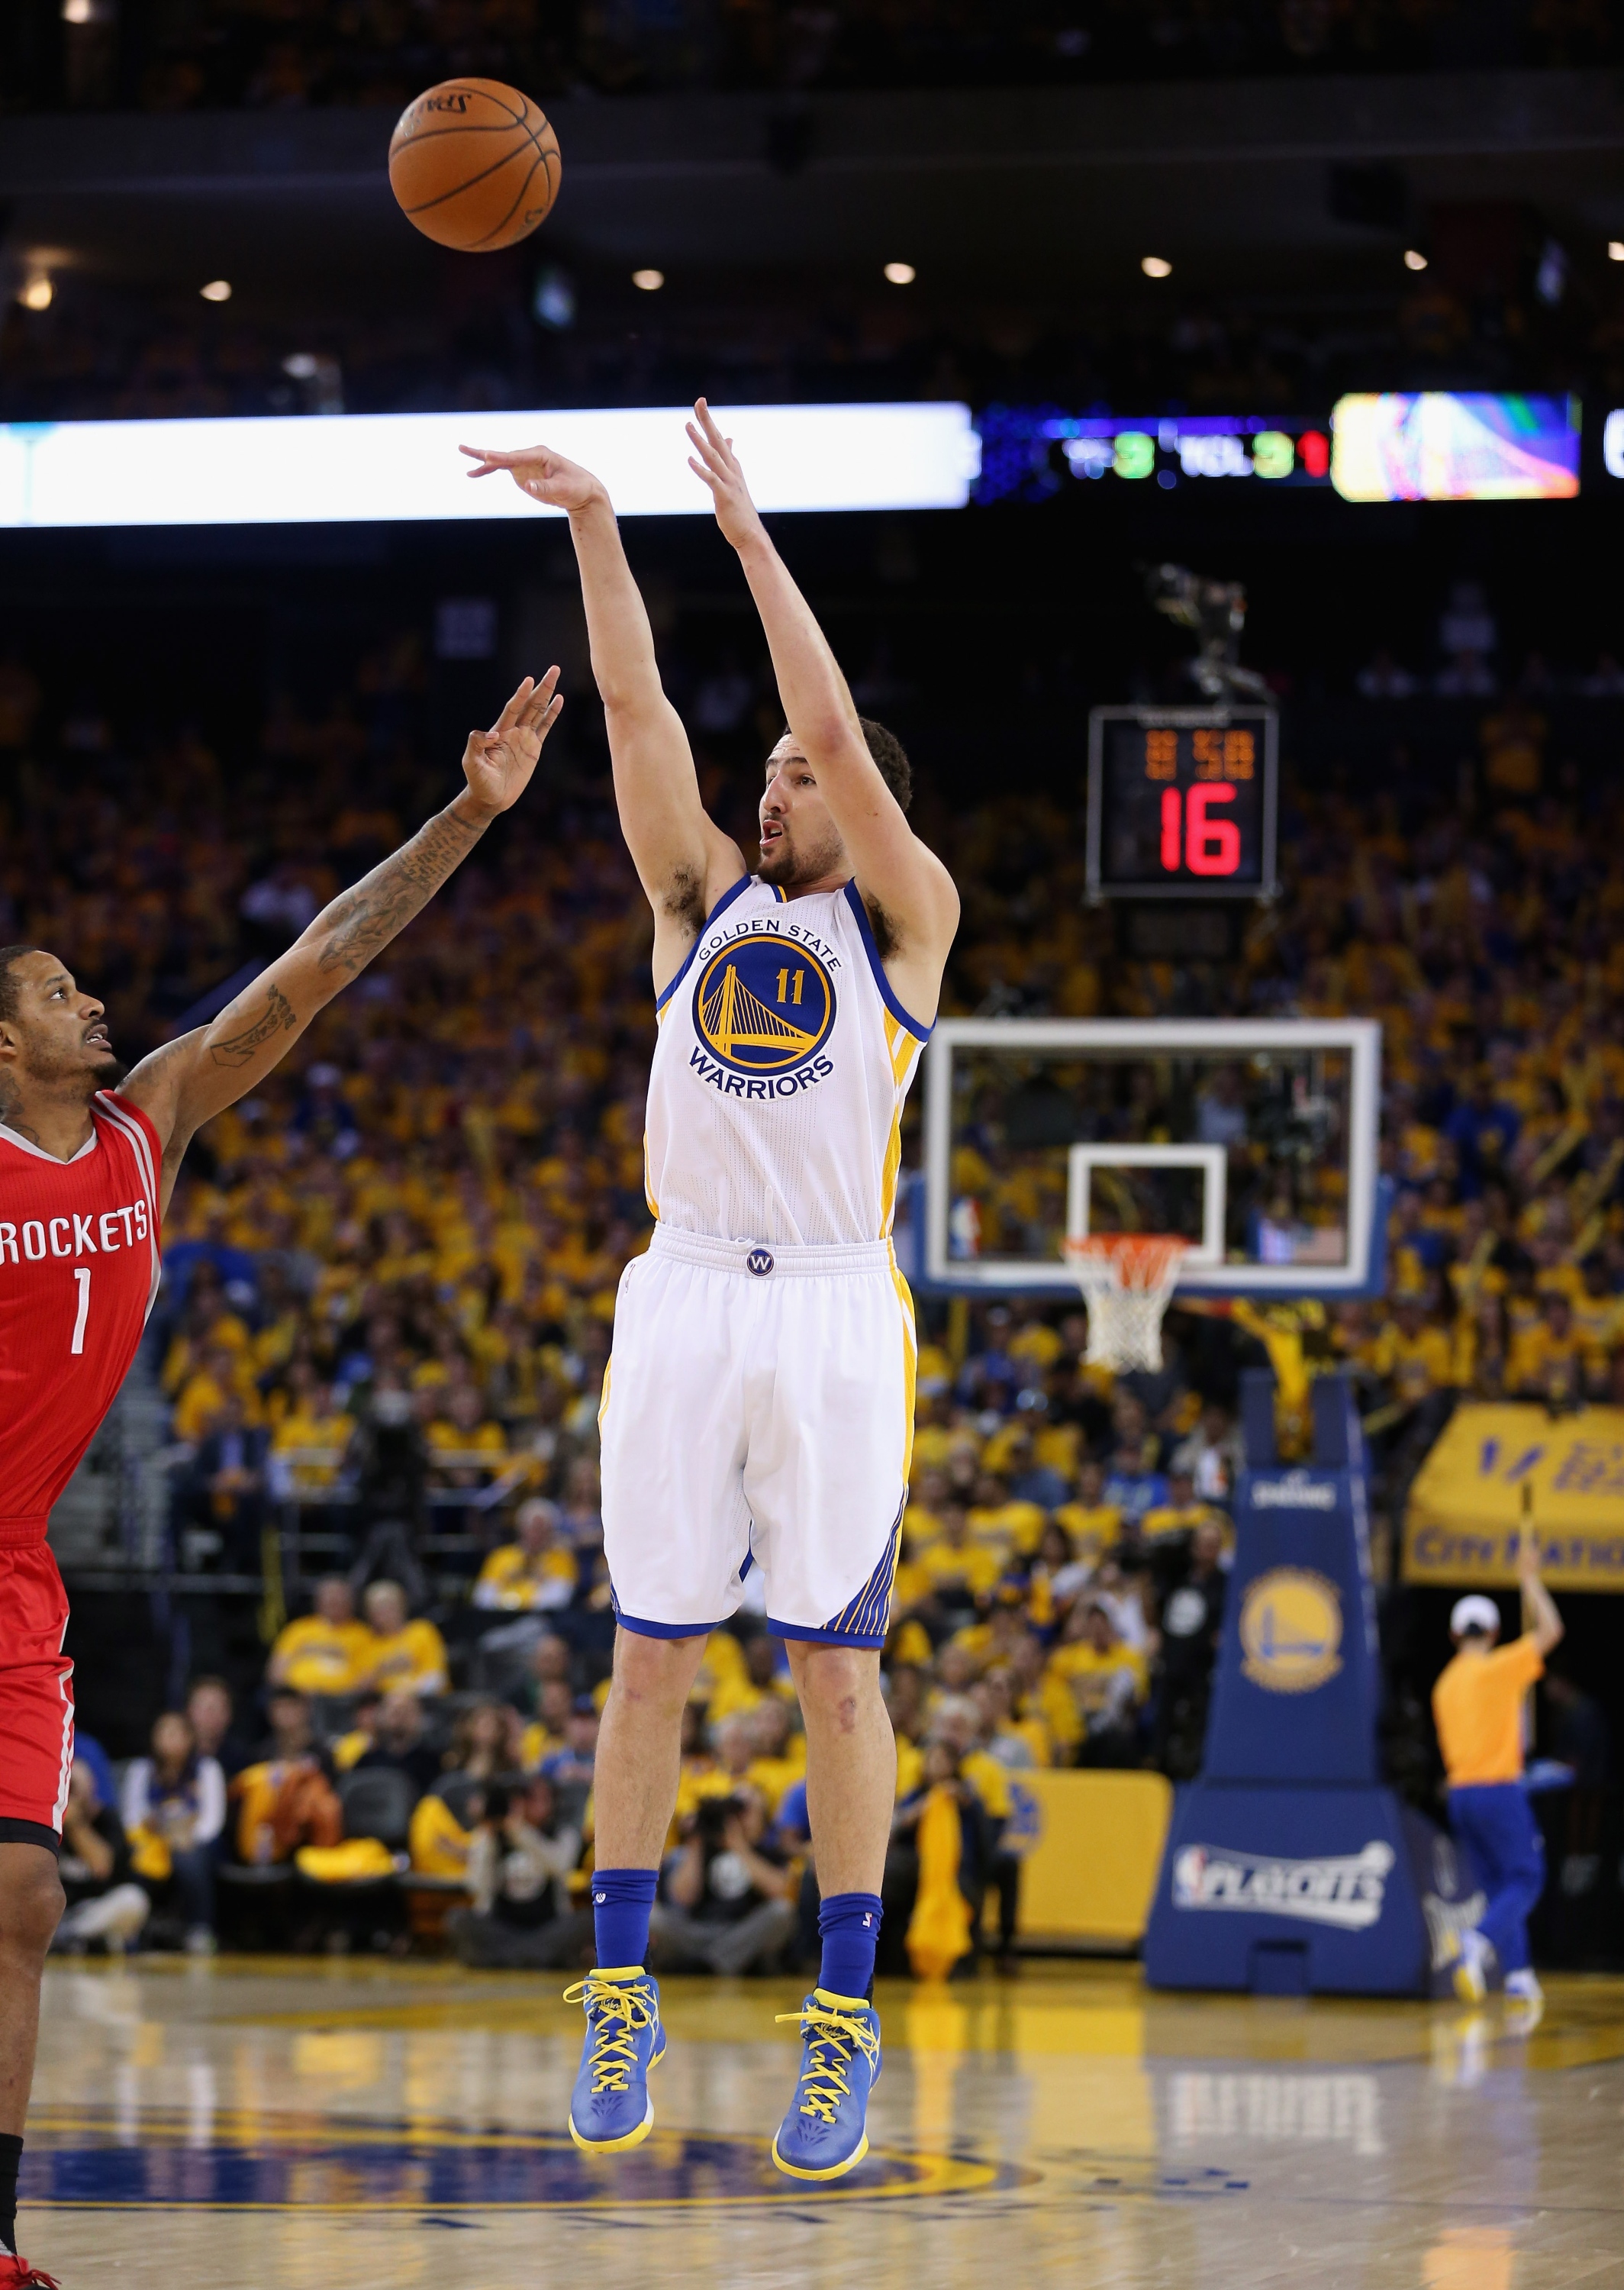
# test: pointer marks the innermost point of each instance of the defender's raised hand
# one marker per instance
(498, 764)
(717, 465)
(545, 476)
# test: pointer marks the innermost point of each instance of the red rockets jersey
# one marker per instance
(78, 1272)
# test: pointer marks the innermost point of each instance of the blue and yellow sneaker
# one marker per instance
(609, 2107)
(825, 2133)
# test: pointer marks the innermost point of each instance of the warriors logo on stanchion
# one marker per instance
(1291, 1629)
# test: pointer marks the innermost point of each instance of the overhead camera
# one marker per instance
(1216, 610)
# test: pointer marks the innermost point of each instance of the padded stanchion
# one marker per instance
(1289, 1868)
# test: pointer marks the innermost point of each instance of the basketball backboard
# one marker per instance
(1255, 1139)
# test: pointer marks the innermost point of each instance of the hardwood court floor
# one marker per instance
(268, 2125)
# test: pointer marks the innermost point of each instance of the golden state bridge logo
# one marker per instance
(763, 1007)
(1291, 1629)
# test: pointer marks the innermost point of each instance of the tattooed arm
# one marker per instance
(189, 1081)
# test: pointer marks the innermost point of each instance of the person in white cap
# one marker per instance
(1478, 1704)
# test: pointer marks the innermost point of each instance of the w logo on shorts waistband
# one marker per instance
(759, 1262)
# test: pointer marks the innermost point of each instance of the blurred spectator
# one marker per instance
(1106, 1685)
(210, 1712)
(105, 1904)
(942, 1821)
(1193, 1586)
(486, 1742)
(325, 1651)
(223, 1495)
(173, 1807)
(518, 1869)
(438, 1843)
(726, 1901)
(568, 1771)
(284, 1798)
(532, 1572)
(400, 1655)
(397, 1740)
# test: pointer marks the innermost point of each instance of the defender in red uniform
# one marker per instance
(87, 1164)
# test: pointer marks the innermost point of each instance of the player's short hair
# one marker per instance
(890, 756)
(891, 759)
(8, 984)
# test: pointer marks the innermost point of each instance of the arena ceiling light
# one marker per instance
(648, 281)
(900, 274)
(404, 468)
(1156, 266)
(1414, 259)
(38, 293)
(1615, 250)
(218, 290)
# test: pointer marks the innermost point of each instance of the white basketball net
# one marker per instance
(1127, 1279)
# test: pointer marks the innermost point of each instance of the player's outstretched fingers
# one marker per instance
(514, 709)
(490, 460)
(544, 703)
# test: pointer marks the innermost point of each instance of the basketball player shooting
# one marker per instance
(88, 1161)
(758, 1406)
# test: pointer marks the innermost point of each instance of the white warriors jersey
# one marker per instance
(775, 1098)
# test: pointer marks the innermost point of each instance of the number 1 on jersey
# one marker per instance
(82, 1274)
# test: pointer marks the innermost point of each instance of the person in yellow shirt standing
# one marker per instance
(1478, 1705)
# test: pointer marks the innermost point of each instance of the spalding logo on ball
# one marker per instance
(474, 164)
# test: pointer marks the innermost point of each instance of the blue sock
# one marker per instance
(621, 1899)
(849, 1926)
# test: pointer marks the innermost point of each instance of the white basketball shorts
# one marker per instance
(759, 1411)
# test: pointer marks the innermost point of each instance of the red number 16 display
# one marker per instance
(1209, 847)
(1181, 803)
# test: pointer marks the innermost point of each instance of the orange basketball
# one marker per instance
(474, 164)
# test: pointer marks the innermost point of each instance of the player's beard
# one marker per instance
(107, 1073)
(789, 865)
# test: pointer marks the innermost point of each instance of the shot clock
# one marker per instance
(1181, 803)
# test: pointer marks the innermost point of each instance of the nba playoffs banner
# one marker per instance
(1464, 1517)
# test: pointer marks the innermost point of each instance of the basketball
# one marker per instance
(474, 164)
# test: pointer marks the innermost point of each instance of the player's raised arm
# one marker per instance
(892, 866)
(683, 860)
(1541, 1617)
(189, 1081)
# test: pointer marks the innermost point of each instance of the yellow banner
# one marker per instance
(1464, 1517)
(1092, 1846)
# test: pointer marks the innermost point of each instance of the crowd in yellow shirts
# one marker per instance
(391, 1272)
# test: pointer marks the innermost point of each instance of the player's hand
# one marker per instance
(545, 476)
(715, 461)
(498, 764)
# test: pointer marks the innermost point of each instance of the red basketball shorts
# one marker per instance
(35, 1697)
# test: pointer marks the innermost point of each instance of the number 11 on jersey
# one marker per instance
(82, 1274)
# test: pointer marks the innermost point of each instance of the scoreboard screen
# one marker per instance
(1181, 803)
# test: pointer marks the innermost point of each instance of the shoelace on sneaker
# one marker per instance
(835, 2037)
(30, 2277)
(618, 2012)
